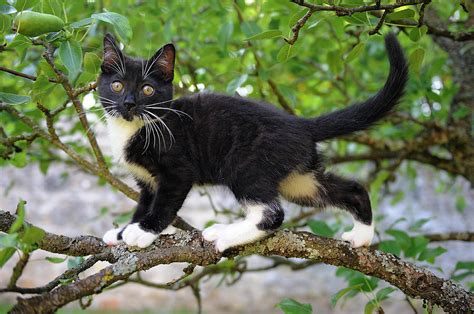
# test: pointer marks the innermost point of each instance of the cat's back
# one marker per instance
(214, 105)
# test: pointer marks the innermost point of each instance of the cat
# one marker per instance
(259, 152)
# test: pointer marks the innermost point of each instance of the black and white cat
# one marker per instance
(259, 152)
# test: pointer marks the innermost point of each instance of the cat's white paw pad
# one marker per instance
(133, 235)
(360, 235)
(213, 232)
(111, 236)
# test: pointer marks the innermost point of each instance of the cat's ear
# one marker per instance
(113, 58)
(163, 62)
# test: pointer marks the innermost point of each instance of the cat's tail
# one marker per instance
(361, 116)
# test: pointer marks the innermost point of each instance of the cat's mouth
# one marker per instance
(128, 116)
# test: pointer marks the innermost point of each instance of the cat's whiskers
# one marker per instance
(176, 111)
(101, 98)
(147, 135)
(172, 139)
(102, 118)
(156, 132)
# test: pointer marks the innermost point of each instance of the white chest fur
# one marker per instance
(120, 133)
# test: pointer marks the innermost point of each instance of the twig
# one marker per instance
(297, 27)
(379, 24)
(422, 12)
(18, 269)
(68, 274)
(281, 99)
(27, 76)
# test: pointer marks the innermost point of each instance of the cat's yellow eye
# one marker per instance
(117, 86)
(148, 90)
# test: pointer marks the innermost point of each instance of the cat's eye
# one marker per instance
(117, 86)
(148, 90)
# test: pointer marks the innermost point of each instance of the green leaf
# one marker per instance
(8, 240)
(355, 52)
(70, 53)
(390, 246)
(416, 59)
(19, 159)
(418, 32)
(119, 22)
(402, 14)
(464, 265)
(417, 245)
(358, 19)
(383, 293)
(236, 83)
(321, 228)
(20, 209)
(55, 260)
(418, 224)
(32, 235)
(430, 254)
(401, 237)
(19, 41)
(273, 33)
(370, 307)
(91, 63)
(7, 9)
(13, 99)
(336, 297)
(284, 53)
(41, 88)
(82, 23)
(5, 23)
(290, 306)
(250, 28)
(5, 255)
(225, 34)
(460, 203)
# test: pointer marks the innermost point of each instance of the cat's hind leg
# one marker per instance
(261, 218)
(352, 197)
(321, 189)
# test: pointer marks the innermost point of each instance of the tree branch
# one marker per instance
(189, 247)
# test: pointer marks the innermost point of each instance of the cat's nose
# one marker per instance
(130, 105)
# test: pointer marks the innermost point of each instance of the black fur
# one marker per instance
(241, 143)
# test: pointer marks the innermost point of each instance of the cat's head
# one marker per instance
(135, 88)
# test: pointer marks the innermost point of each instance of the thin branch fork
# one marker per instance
(191, 248)
(342, 11)
(63, 79)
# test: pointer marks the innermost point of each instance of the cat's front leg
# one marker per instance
(114, 236)
(167, 200)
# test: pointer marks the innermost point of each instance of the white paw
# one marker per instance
(212, 233)
(226, 236)
(360, 235)
(110, 237)
(133, 235)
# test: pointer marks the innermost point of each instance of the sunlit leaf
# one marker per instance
(120, 23)
(267, 35)
(70, 53)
